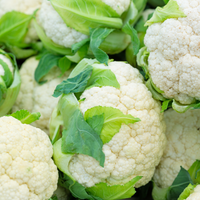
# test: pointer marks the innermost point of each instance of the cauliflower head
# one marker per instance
(27, 171)
(183, 145)
(174, 57)
(62, 34)
(35, 97)
(24, 6)
(137, 148)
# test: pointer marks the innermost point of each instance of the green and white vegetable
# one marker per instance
(172, 45)
(105, 27)
(35, 97)
(9, 82)
(98, 144)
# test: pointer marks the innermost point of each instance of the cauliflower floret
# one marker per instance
(183, 145)
(24, 6)
(35, 97)
(174, 54)
(137, 148)
(196, 194)
(27, 171)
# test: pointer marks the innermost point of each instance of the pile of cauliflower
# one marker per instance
(134, 139)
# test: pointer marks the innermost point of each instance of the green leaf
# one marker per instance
(81, 138)
(49, 44)
(64, 64)
(114, 192)
(186, 192)
(12, 93)
(13, 27)
(75, 84)
(171, 10)
(102, 77)
(26, 117)
(181, 108)
(128, 29)
(182, 180)
(96, 122)
(85, 14)
(159, 193)
(46, 63)
(78, 45)
(113, 119)
(166, 104)
(8, 76)
(142, 60)
(97, 35)
(166, 1)
(154, 93)
(194, 172)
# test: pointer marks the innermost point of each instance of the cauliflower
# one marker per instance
(183, 145)
(174, 58)
(27, 171)
(24, 6)
(62, 34)
(59, 33)
(135, 149)
(35, 97)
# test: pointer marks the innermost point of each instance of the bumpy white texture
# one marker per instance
(35, 97)
(118, 5)
(196, 194)
(137, 148)
(24, 6)
(183, 145)
(174, 53)
(8, 62)
(27, 171)
(56, 29)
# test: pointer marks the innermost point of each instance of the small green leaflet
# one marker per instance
(181, 108)
(75, 84)
(81, 138)
(128, 29)
(102, 77)
(113, 119)
(64, 64)
(170, 10)
(96, 122)
(78, 45)
(182, 180)
(97, 35)
(166, 1)
(194, 172)
(13, 27)
(114, 192)
(47, 62)
(166, 104)
(26, 117)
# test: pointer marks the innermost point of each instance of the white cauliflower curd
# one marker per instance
(183, 145)
(27, 171)
(137, 148)
(24, 6)
(35, 97)
(174, 60)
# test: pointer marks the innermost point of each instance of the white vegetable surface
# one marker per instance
(27, 171)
